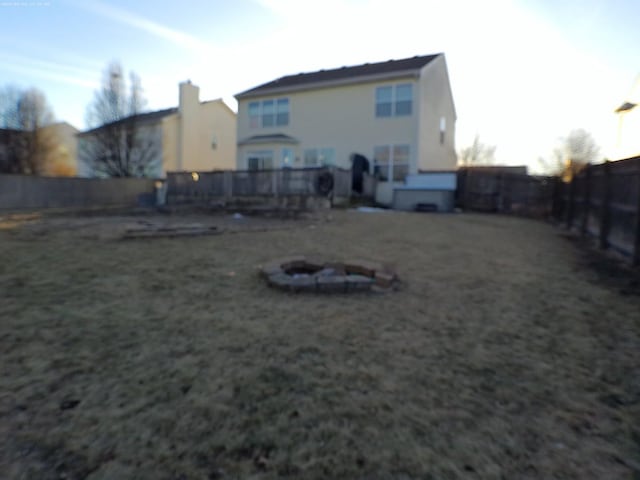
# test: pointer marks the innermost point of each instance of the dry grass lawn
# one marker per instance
(502, 355)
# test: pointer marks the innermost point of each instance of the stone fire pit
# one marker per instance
(299, 274)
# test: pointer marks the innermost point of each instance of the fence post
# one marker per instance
(605, 217)
(227, 185)
(556, 199)
(467, 190)
(586, 201)
(636, 248)
(274, 183)
(571, 201)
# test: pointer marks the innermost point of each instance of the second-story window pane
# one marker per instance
(383, 101)
(282, 112)
(404, 99)
(268, 119)
(254, 114)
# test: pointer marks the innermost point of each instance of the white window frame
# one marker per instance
(257, 121)
(390, 166)
(394, 100)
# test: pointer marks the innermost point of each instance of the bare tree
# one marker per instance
(9, 100)
(24, 114)
(119, 144)
(477, 154)
(573, 153)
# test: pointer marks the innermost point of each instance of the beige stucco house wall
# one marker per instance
(195, 136)
(341, 115)
(200, 136)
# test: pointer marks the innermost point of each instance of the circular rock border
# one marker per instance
(300, 274)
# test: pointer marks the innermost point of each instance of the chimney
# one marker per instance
(188, 110)
(189, 96)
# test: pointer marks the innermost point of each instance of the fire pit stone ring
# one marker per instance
(300, 274)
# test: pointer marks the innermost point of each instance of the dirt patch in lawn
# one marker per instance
(170, 358)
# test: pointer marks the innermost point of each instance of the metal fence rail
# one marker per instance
(195, 187)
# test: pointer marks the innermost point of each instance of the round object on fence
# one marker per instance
(325, 183)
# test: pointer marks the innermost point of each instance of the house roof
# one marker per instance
(339, 75)
(141, 117)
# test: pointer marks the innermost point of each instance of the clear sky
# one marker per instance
(523, 72)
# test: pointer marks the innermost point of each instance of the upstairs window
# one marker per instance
(269, 113)
(443, 129)
(404, 99)
(384, 101)
(254, 114)
(394, 100)
(282, 112)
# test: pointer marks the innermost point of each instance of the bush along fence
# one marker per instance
(284, 186)
(603, 201)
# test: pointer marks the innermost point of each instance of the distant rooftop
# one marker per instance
(139, 118)
(343, 73)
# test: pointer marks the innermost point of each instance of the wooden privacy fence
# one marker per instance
(199, 187)
(604, 201)
(19, 192)
(495, 191)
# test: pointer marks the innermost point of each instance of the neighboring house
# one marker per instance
(398, 114)
(628, 141)
(53, 154)
(195, 136)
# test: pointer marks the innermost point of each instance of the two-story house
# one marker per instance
(195, 136)
(398, 114)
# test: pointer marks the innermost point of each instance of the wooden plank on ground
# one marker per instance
(169, 232)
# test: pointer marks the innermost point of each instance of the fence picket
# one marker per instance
(586, 205)
(605, 213)
(636, 247)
